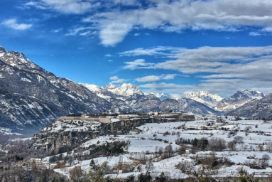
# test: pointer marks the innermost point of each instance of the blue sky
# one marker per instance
(168, 46)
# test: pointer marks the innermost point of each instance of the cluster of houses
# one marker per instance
(152, 116)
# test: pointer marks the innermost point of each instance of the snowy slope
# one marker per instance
(142, 154)
(258, 108)
(204, 97)
(31, 97)
(126, 89)
(238, 99)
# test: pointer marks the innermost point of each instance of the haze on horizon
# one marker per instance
(166, 46)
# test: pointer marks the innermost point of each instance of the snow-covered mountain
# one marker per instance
(123, 91)
(128, 97)
(126, 89)
(238, 99)
(186, 105)
(257, 108)
(204, 97)
(31, 97)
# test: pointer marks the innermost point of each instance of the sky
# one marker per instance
(165, 46)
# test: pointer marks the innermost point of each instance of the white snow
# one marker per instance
(155, 136)
(126, 89)
(72, 125)
(204, 97)
(25, 80)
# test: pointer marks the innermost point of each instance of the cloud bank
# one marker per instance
(221, 69)
(218, 15)
(113, 20)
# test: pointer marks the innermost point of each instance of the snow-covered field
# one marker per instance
(252, 138)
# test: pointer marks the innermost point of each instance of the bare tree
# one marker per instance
(232, 145)
(217, 144)
(269, 147)
(76, 173)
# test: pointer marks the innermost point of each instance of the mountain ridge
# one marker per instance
(255, 109)
(204, 97)
(238, 99)
(24, 85)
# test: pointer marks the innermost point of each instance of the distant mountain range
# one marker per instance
(238, 99)
(257, 108)
(215, 103)
(204, 97)
(129, 98)
(31, 97)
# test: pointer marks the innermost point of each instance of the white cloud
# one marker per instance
(108, 55)
(219, 15)
(161, 85)
(160, 50)
(229, 86)
(115, 21)
(203, 59)
(150, 78)
(223, 87)
(81, 31)
(137, 64)
(214, 59)
(116, 79)
(56, 30)
(169, 76)
(113, 33)
(267, 29)
(254, 34)
(226, 69)
(79, 6)
(63, 6)
(35, 4)
(169, 88)
(12, 23)
(153, 78)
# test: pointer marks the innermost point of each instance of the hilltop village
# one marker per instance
(68, 131)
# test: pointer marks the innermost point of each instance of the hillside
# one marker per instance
(238, 99)
(255, 109)
(31, 97)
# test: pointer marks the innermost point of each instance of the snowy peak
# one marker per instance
(257, 108)
(126, 89)
(17, 59)
(92, 87)
(161, 96)
(112, 91)
(204, 97)
(238, 99)
(203, 94)
(251, 94)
